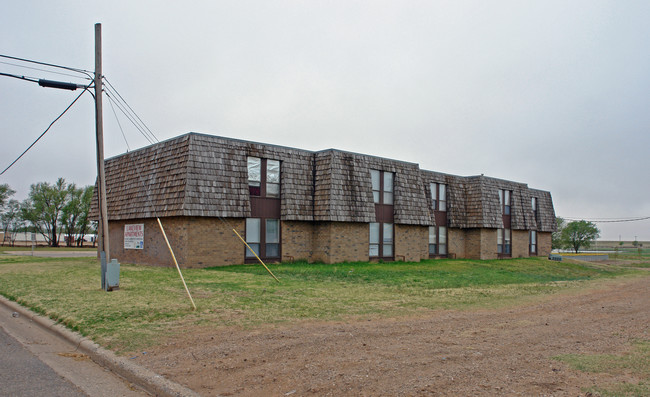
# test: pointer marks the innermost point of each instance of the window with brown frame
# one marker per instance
(382, 186)
(381, 240)
(437, 241)
(263, 177)
(438, 196)
(381, 232)
(505, 197)
(263, 236)
(533, 242)
(533, 203)
(504, 245)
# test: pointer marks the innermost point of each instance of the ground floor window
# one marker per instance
(437, 240)
(504, 246)
(381, 240)
(533, 242)
(263, 236)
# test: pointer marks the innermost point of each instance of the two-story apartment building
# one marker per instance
(325, 206)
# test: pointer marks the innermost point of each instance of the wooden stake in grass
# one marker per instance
(175, 262)
(258, 258)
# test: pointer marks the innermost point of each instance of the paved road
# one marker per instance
(56, 254)
(23, 374)
(36, 362)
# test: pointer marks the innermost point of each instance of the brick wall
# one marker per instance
(543, 243)
(297, 240)
(520, 244)
(155, 250)
(481, 243)
(340, 242)
(213, 243)
(456, 242)
(412, 242)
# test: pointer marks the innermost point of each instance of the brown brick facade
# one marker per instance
(411, 243)
(206, 242)
(297, 240)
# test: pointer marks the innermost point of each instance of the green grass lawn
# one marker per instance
(152, 303)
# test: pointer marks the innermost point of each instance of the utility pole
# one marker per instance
(103, 243)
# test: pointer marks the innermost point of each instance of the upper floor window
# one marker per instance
(439, 196)
(382, 186)
(533, 203)
(505, 197)
(263, 177)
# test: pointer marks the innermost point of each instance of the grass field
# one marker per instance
(152, 303)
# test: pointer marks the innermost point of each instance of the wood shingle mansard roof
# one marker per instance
(206, 176)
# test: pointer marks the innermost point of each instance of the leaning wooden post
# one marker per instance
(175, 262)
(258, 258)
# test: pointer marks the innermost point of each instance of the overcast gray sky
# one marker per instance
(554, 94)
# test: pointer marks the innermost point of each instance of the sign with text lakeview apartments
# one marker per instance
(134, 236)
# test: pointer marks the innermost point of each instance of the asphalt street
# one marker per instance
(23, 374)
(37, 362)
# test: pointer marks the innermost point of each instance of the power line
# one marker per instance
(44, 70)
(46, 130)
(110, 102)
(19, 77)
(129, 117)
(86, 72)
(111, 87)
(608, 220)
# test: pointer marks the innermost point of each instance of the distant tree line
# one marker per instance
(52, 210)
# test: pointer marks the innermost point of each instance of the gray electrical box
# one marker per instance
(112, 275)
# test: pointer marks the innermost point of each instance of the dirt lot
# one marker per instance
(505, 351)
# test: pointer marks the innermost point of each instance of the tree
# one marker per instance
(75, 214)
(577, 234)
(11, 221)
(556, 237)
(43, 208)
(5, 193)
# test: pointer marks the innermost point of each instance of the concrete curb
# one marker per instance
(146, 379)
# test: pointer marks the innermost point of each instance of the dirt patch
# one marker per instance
(484, 352)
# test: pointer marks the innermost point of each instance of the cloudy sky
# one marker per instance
(554, 94)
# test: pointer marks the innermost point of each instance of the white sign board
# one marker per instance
(134, 237)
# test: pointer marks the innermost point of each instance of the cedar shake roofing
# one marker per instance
(207, 176)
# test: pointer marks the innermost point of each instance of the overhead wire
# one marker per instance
(46, 130)
(131, 109)
(88, 73)
(20, 77)
(608, 220)
(129, 117)
(44, 70)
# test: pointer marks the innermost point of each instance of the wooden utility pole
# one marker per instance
(102, 234)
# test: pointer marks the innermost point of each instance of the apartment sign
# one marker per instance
(134, 237)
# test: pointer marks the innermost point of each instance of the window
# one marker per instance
(272, 238)
(253, 236)
(263, 170)
(374, 240)
(505, 201)
(433, 241)
(254, 176)
(387, 244)
(533, 203)
(533, 242)
(382, 186)
(504, 245)
(263, 236)
(272, 178)
(437, 240)
(381, 240)
(438, 196)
